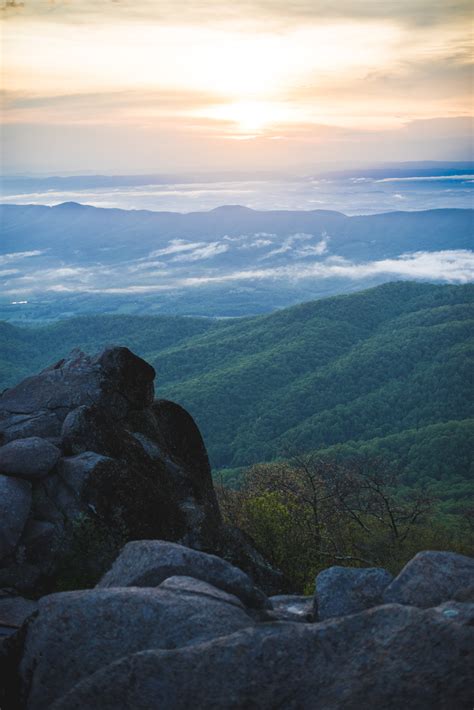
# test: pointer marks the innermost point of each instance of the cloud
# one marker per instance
(18, 255)
(257, 244)
(189, 76)
(104, 106)
(183, 251)
(454, 266)
(451, 266)
(11, 6)
(176, 246)
(146, 266)
(315, 249)
(290, 244)
(410, 12)
(428, 178)
(202, 252)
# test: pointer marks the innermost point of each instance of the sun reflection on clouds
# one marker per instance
(211, 69)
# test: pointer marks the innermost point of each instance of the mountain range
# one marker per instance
(230, 261)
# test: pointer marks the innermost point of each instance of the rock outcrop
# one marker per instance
(87, 450)
(390, 657)
(188, 643)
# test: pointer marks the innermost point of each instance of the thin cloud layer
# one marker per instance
(116, 85)
(19, 256)
(450, 266)
(412, 12)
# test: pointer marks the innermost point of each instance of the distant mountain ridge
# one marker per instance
(229, 261)
(26, 227)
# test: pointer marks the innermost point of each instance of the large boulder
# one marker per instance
(147, 563)
(15, 504)
(75, 633)
(115, 379)
(431, 578)
(390, 657)
(43, 423)
(89, 437)
(30, 458)
(347, 590)
(184, 445)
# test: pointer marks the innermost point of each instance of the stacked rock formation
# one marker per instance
(86, 437)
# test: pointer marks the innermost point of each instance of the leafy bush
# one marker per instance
(311, 513)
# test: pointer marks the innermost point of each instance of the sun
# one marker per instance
(249, 117)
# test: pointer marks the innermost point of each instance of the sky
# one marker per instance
(148, 85)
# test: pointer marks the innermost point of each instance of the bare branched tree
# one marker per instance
(311, 512)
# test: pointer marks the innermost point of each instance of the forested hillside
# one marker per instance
(387, 370)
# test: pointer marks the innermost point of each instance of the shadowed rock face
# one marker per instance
(85, 437)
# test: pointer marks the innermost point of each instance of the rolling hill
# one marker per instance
(387, 370)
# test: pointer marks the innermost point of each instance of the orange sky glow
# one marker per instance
(257, 83)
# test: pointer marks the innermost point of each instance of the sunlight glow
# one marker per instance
(183, 82)
(251, 116)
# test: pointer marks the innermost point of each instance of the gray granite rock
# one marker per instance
(431, 578)
(347, 590)
(75, 633)
(147, 563)
(137, 467)
(389, 657)
(31, 458)
(15, 504)
(91, 428)
(43, 423)
(189, 585)
(13, 612)
(115, 379)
